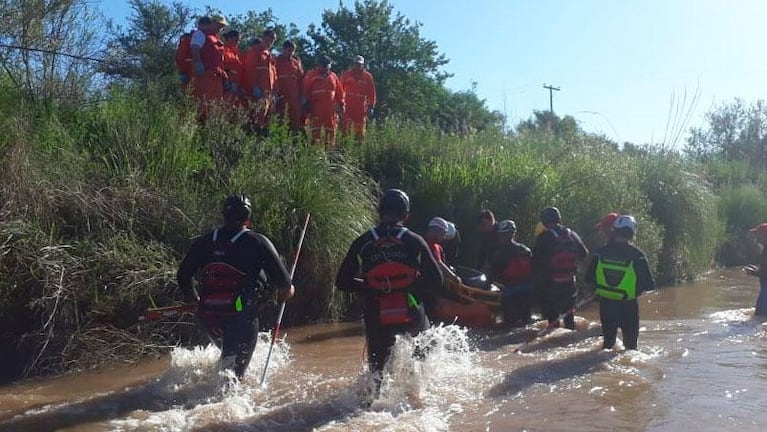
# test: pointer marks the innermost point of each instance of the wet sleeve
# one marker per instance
(189, 265)
(645, 280)
(591, 270)
(275, 270)
(583, 251)
(349, 270)
(431, 275)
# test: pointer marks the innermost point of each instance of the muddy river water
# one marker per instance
(701, 366)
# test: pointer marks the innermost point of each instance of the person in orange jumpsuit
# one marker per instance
(234, 68)
(184, 66)
(261, 78)
(207, 62)
(360, 97)
(325, 96)
(290, 78)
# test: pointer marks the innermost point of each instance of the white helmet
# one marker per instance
(451, 231)
(439, 223)
(626, 221)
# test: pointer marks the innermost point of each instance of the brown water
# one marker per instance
(701, 366)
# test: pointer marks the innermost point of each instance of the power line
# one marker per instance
(46, 51)
(551, 96)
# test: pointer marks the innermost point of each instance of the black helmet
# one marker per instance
(237, 208)
(394, 202)
(550, 215)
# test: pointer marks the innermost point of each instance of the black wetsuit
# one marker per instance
(364, 255)
(614, 313)
(251, 254)
(511, 265)
(554, 254)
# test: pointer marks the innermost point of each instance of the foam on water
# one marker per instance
(197, 391)
(421, 395)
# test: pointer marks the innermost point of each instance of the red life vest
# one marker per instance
(221, 282)
(564, 261)
(390, 281)
(519, 270)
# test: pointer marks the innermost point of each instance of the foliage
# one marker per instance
(50, 43)
(735, 132)
(143, 53)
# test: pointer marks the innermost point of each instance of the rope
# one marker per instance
(47, 51)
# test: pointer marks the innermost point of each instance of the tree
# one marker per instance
(144, 52)
(735, 132)
(548, 122)
(49, 47)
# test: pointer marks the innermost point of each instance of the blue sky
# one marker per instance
(624, 67)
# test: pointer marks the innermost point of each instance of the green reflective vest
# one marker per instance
(625, 289)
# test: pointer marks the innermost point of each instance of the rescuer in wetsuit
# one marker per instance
(237, 270)
(393, 270)
(511, 264)
(621, 274)
(555, 261)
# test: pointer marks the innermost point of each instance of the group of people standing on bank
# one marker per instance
(215, 72)
(397, 274)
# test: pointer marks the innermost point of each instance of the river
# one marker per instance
(701, 366)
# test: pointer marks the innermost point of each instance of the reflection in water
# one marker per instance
(701, 365)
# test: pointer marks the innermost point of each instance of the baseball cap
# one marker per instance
(359, 59)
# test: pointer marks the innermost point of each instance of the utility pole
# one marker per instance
(551, 90)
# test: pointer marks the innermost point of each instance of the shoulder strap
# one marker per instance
(239, 234)
(233, 239)
(401, 233)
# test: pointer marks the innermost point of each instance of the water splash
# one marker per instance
(421, 392)
(195, 390)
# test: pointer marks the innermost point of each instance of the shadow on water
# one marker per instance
(153, 396)
(529, 341)
(548, 372)
(295, 416)
(348, 331)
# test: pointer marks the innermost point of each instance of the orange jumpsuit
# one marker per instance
(360, 95)
(235, 69)
(208, 88)
(323, 92)
(261, 75)
(290, 77)
(184, 66)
